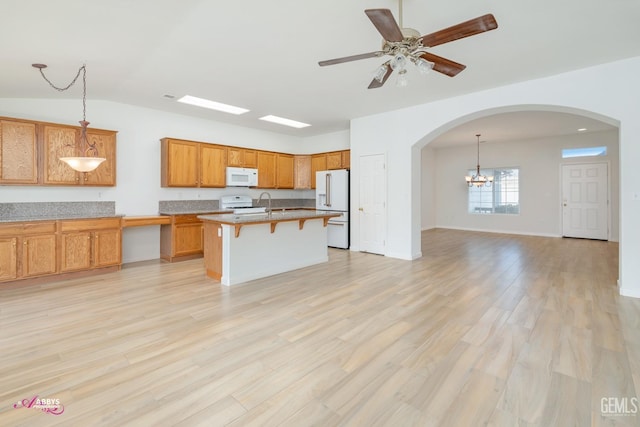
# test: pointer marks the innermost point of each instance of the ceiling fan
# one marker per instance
(407, 45)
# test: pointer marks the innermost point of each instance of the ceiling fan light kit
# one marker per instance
(406, 45)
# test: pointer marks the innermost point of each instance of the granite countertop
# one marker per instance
(188, 211)
(273, 216)
(55, 217)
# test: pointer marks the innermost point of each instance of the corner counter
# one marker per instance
(239, 248)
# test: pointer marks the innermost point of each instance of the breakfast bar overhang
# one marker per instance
(239, 248)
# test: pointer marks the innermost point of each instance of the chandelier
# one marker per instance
(89, 160)
(478, 180)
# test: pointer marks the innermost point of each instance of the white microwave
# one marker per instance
(242, 177)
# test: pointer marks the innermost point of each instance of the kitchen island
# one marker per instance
(239, 248)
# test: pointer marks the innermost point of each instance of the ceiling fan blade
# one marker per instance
(350, 58)
(465, 29)
(443, 65)
(376, 84)
(386, 24)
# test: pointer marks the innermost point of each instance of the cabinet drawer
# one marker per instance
(89, 224)
(187, 219)
(20, 228)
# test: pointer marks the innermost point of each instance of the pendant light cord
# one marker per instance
(82, 69)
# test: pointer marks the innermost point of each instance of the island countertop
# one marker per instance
(269, 217)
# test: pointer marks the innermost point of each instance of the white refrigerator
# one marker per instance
(332, 194)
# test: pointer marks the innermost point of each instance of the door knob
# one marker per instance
(361, 209)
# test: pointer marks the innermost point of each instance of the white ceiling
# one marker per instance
(263, 55)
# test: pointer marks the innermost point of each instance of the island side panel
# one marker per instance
(213, 249)
(257, 252)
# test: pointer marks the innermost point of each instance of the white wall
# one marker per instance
(608, 92)
(138, 159)
(539, 161)
(429, 182)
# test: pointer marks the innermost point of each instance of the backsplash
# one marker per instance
(169, 207)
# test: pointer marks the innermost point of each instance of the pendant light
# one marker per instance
(89, 160)
(478, 180)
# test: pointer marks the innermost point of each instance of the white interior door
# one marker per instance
(585, 201)
(372, 209)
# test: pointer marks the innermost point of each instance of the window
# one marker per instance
(583, 152)
(503, 197)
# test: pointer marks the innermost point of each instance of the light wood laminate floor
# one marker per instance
(484, 329)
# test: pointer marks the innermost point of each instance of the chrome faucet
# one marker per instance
(260, 198)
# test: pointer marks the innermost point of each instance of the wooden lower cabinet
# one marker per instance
(90, 243)
(182, 239)
(38, 255)
(8, 258)
(31, 250)
(27, 250)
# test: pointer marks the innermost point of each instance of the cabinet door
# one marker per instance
(284, 171)
(346, 159)
(18, 160)
(213, 161)
(107, 248)
(75, 251)
(180, 163)
(59, 142)
(39, 255)
(235, 157)
(105, 174)
(334, 160)
(266, 169)
(8, 258)
(250, 158)
(318, 163)
(188, 239)
(302, 172)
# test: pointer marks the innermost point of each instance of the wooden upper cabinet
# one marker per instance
(180, 161)
(284, 170)
(64, 141)
(302, 172)
(105, 143)
(59, 141)
(318, 163)
(192, 164)
(334, 160)
(18, 153)
(346, 159)
(339, 159)
(242, 157)
(213, 161)
(250, 158)
(266, 169)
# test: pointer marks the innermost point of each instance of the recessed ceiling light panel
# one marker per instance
(285, 122)
(212, 105)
